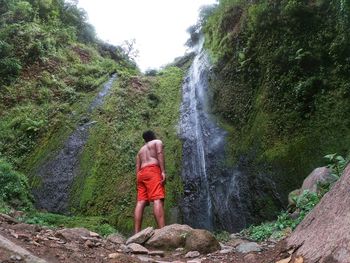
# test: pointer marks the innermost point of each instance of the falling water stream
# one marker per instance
(57, 174)
(213, 191)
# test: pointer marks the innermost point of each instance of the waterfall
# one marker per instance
(57, 174)
(213, 191)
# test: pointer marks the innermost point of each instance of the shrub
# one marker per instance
(9, 70)
(14, 187)
(284, 223)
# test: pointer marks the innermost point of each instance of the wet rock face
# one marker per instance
(212, 191)
(56, 175)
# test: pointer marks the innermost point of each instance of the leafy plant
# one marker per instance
(222, 236)
(14, 188)
(337, 164)
(284, 223)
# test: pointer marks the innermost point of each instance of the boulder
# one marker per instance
(73, 234)
(169, 237)
(116, 238)
(201, 240)
(324, 234)
(248, 247)
(141, 237)
(319, 175)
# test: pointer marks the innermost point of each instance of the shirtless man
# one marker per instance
(150, 174)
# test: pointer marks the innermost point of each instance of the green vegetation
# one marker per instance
(304, 203)
(50, 65)
(93, 223)
(285, 223)
(14, 189)
(337, 164)
(281, 83)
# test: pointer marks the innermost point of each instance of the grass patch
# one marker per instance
(96, 224)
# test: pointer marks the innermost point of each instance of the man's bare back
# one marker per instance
(148, 153)
(151, 153)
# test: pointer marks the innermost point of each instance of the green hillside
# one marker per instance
(281, 88)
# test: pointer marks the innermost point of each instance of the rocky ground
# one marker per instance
(21, 242)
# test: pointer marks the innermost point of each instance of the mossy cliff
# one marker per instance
(107, 182)
(281, 84)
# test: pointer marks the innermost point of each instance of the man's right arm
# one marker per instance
(160, 157)
(138, 163)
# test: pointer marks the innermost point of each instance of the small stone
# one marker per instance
(24, 237)
(16, 258)
(194, 261)
(116, 239)
(226, 250)
(179, 249)
(236, 242)
(114, 255)
(145, 259)
(156, 253)
(89, 244)
(93, 234)
(137, 248)
(53, 238)
(248, 247)
(125, 249)
(192, 254)
(250, 258)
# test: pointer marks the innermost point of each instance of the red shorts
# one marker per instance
(149, 183)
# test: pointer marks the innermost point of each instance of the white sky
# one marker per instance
(159, 26)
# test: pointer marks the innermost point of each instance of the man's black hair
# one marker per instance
(149, 136)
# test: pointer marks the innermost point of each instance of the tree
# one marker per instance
(129, 49)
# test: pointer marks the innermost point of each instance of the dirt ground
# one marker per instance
(45, 244)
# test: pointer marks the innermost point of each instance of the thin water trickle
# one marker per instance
(56, 175)
(212, 198)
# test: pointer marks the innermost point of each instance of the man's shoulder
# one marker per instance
(157, 142)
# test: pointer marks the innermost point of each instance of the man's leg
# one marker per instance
(158, 211)
(140, 206)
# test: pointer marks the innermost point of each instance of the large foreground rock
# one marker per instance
(177, 236)
(324, 235)
(25, 255)
(169, 237)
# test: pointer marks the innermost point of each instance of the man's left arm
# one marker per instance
(138, 164)
(160, 157)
